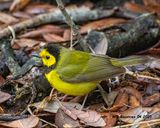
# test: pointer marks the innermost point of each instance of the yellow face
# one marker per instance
(47, 58)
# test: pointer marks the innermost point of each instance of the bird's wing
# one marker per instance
(76, 66)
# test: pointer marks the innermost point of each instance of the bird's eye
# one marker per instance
(47, 57)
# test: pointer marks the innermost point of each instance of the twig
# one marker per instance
(53, 125)
(155, 122)
(73, 26)
(9, 117)
(13, 34)
(141, 76)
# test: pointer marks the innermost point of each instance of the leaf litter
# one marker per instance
(136, 102)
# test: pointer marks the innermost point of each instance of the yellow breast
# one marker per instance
(75, 89)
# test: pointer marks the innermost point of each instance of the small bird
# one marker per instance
(77, 73)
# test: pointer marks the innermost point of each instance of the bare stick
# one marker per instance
(84, 14)
(73, 26)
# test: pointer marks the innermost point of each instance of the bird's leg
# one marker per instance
(50, 95)
(46, 100)
(64, 97)
(84, 101)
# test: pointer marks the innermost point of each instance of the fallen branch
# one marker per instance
(137, 35)
(77, 14)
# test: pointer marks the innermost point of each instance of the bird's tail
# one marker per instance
(131, 60)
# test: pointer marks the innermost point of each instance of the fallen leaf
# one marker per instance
(62, 120)
(153, 114)
(53, 106)
(18, 4)
(151, 2)
(131, 115)
(109, 119)
(96, 107)
(29, 122)
(22, 15)
(135, 7)
(53, 38)
(7, 19)
(150, 100)
(39, 8)
(121, 101)
(154, 51)
(43, 30)
(132, 91)
(2, 80)
(111, 97)
(133, 102)
(152, 88)
(154, 9)
(101, 24)
(27, 42)
(67, 34)
(90, 118)
(1, 110)
(4, 96)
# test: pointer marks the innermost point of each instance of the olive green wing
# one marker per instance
(77, 66)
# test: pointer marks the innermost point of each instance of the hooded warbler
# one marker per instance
(77, 73)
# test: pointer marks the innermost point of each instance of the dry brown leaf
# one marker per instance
(39, 8)
(21, 14)
(154, 113)
(90, 118)
(133, 102)
(101, 24)
(132, 115)
(154, 9)
(2, 80)
(7, 19)
(53, 106)
(109, 119)
(154, 51)
(152, 88)
(151, 2)
(96, 107)
(53, 38)
(4, 96)
(27, 42)
(67, 34)
(121, 100)
(150, 100)
(43, 30)
(132, 91)
(18, 4)
(29, 122)
(62, 120)
(135, 7)
(1, 110)
(111, 97)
